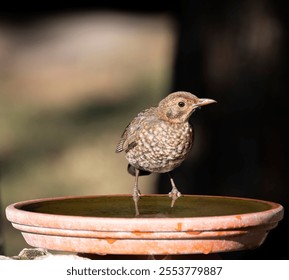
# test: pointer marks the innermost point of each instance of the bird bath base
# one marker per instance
(107, 225)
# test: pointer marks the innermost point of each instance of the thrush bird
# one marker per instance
(160, 138)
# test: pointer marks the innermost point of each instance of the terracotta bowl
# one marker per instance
(107, 225)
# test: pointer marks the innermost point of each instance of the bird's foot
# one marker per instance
(136, 196)
(174, 194)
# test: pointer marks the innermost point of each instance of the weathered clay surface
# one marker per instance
(104, 225)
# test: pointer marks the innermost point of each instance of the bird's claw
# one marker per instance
(136, 196)
(174, 194)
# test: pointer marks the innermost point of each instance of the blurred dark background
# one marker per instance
(232, 51)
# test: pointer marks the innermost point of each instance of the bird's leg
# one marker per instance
(174, 193)
(136, 192)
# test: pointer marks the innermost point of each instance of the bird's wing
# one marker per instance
(122, 142)
(128, 138)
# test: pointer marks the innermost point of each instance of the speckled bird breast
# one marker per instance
(160, 146)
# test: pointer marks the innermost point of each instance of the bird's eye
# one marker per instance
(181, 104)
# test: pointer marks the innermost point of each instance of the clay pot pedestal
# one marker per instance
(103, 225)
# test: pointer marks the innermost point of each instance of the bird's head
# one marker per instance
(177, 107)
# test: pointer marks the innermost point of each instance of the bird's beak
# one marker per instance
(205, 101)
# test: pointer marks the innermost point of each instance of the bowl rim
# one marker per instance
(156, 224)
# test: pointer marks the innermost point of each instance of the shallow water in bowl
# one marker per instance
(156, 206)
